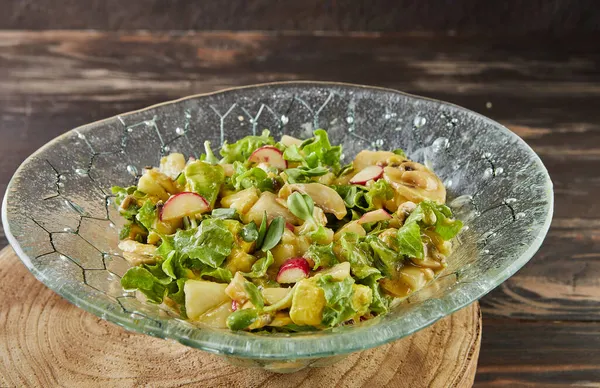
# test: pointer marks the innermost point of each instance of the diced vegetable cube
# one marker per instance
(201, 296)
(307, 304)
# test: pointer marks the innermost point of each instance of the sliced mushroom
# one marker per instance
(413, 182)
(375, 158)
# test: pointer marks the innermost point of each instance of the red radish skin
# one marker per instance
(371, 173)
(289, 227)
(269, 155)
(293, 270)
(374, 216)
(183, 204)
(234, 305)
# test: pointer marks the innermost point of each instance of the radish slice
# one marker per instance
(371, 173)
(183, 204)
(234, 305)
(269, 155)
(374, 216)
(293, 270)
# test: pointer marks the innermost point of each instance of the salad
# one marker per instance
(280, 236)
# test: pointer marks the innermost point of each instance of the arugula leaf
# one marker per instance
(260, 267)
(387, 258)
(338, 297)
(249, 232)
(147, 214)
(358, 255)
(319, 150)
(241, 150)
(254, 295)
(205, 179)
(409, 240)
(224, 213)
(244, 178)
(322, 255)
(274, 233)
(140, 278)
(381, 302)
(211, 243)
(262, 230)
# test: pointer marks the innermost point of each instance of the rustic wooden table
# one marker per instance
(541, 327)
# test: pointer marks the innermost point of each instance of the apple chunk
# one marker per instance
(374, 216)
(270, 156)
(293, 270)
(182, 205)
(371, 173)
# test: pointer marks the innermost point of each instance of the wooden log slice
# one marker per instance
(45, 341)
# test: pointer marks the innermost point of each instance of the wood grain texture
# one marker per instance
(539, 354)
(430, 16)
(45, 341)
(546, 90)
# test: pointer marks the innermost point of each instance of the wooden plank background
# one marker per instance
(534, 66)
(506, 17)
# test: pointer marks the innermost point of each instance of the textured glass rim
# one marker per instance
(297, 347)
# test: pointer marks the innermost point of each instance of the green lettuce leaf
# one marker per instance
(431, 214)
(176, 292)
(244, 178)
(225, 213)
(205, 179)
(304, 174)
(175, 266)
(365, 199)
(387, 260)
(221, 274)
(359, 255)
(120, 194)
(211, 243)
(322, 255)
(409, 240)
(142, 279)
(318, 150)
(260, 267)
(381, 301)
(208, 156)
(147, 214)
(241, 150)
(293, 154)
(338, 297)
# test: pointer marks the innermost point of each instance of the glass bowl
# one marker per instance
(60, 218)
